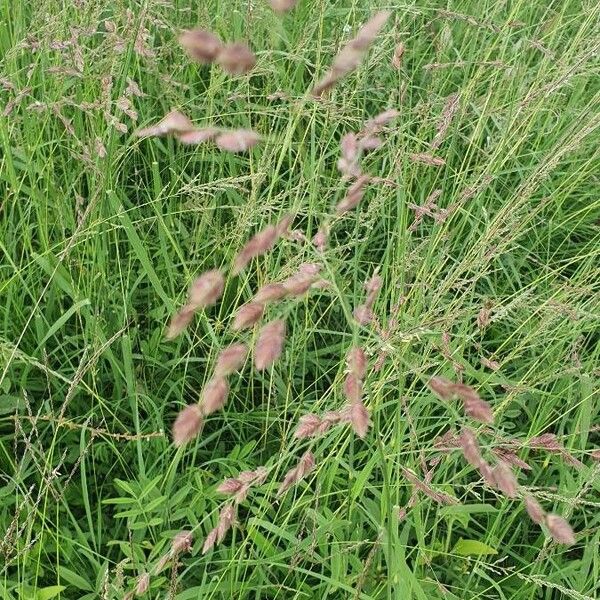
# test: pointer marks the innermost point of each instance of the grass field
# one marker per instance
(497, 285)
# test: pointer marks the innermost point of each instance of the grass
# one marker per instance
(97, 254)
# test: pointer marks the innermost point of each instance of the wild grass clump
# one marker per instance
(319, 319)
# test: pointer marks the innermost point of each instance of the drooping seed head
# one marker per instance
(226, 520)
(359, 418)
(510, 458)
(470, 447)
(201, 45)
(230, 486)
(534, 509)
(231, 359)
(187, 424)
(443, 388)
(206, 289)
(237, 140)
(505, 480)
(320, 240)
(427, 159)
(270, 292)
(399, 51)
(356, 360)
(247, 315)
(308, 426)
(214, 395)
(363, 314)
(560, 529)
(269, 345)
(173, 122)
(260, 243)
(353, 196)
(351, 55)
(474, 406)
(198, 136)
(236, 58)
(182, 542)
(382, 119)
(353, 388)
(305, 465)
(283, 226)
(179, 322)
(143, 583)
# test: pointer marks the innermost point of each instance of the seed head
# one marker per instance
(356, 360)
(201, 45)
(179, 322)
(269, 345)
(231, 359)
(143, 583)
(281, 6)
(353, 196)
(353, 388)
(187, 424)
(173, 122)
(260, 243)
(505, 480)
(398, 55)
(237, 140)
(236, 58)
(207, 289)
(535, 511)
(441, 387)
(359, 418)
(470, 447)
(214, 395)
(198, 136)
(305, 465)
(270, 292)
(182, 542)
(560, 529)
(247, 315)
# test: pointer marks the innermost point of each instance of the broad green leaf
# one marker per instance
(74, 579)
(49, 592)
(472, 548)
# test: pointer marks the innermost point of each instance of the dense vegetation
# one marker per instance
(494, 280)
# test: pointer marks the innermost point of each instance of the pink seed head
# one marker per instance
(363, 315)
(534, 509)
(202, 46)
(206, 289)
(247, 315)
(320, 240)
(353, 388)
(443, 388)
(179, 322)
(270, 292)
(231, 359)
(359, 418)
(354, 195)
(269, 345)
(505, 480)
(308, 426)
(143, 583)
(187, 424)
(173, 122)
(470, 447)
(236, 58)
(214, 395)
(237, 140)
(560, 529)
(281, 6)
(230, 486)
(198, 136)
(356, 360)
(182, 542)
